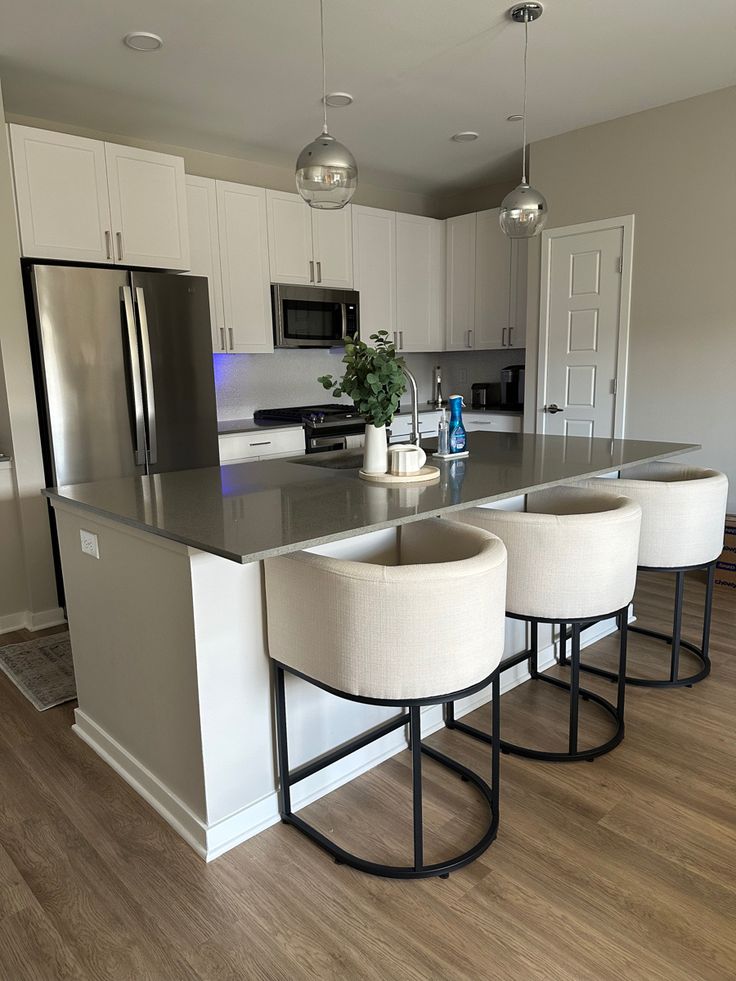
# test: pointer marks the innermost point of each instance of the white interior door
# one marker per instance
(584, 316)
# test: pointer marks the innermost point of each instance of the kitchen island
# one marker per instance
(165, 602)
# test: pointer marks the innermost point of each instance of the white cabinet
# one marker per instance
(460, 317)
(266, 444)
(88, 201)
(374, 264)
(494, 422)
(308, 246)
(148, 208)
(241, 217)
(420, 283)
(61, 193)
(401, 425)
(519, 264)
(492, 282)
(204, 249)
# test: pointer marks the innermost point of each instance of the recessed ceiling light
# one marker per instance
(516, 118)
(467, 136)
(143, 41)
(338, 100)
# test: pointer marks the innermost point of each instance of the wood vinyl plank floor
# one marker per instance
(624, 868)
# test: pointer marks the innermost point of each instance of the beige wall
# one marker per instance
(674, 168)
(474, 199)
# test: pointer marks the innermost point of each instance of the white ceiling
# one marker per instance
(243, 77)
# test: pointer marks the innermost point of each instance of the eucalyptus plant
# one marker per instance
(374, 378)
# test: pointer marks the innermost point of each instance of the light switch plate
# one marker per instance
(89, 543)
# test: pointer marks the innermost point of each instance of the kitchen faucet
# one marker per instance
(414, 436)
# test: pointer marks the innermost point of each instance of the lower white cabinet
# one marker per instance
(494, 422)
(401, 425)
(266, 444)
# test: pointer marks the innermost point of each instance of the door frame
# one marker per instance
(625, 222)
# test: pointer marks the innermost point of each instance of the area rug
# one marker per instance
(42, 669)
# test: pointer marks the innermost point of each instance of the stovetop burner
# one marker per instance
(312, 415)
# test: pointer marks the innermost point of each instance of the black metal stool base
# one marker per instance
(673, 640)
(419, 869)
(573, 754)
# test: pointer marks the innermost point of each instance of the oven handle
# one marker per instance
(344, 310)
(316, 441)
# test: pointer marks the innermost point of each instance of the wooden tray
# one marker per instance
(425, 474)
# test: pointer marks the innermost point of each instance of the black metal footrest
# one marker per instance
(636, 681)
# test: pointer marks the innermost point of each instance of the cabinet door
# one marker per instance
(420, 283)
(290, 239)
(61, 189)
(519, 265)
(492, 282)
(204, 249)
(460, 320)
(332, 247)
(241, 216)
(148, 207)
(374, 266)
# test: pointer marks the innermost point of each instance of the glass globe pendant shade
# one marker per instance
(523, 212)
(326, 173)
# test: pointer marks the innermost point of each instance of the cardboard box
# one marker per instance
(726, 565)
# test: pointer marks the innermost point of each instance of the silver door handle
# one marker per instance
(119, 237)
(135, 376)
(232, 338)
(108, 245)
(140, 298)
(223, 345)
(311, 270)
(552, 408)
(503, 337)
(319, 271)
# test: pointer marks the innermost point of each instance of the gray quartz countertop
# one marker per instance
(250, 425)
(249, 511)
(426, 407)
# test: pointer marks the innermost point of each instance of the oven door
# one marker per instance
(312, 317)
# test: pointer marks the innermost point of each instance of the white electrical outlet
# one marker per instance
(88, 541)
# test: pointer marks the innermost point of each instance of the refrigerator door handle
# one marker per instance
(147, 374)
(135, 374)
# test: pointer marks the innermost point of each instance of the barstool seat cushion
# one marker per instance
(683, 511)
(432, 624)
(571, 555)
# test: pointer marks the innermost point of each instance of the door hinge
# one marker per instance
(620, 264)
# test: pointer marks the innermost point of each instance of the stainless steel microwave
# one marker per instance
(309, 316)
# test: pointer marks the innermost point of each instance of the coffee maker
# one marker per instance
(512, 386)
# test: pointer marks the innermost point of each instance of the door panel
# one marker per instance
(176, 355)
(583, 329)
(332, 238)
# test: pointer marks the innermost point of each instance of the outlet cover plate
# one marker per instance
(89, 543)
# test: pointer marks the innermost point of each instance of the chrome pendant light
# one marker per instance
(524, 210)
(326, 171)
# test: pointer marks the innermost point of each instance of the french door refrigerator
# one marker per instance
(124, 371)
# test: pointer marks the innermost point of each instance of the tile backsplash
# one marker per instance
(246, 382)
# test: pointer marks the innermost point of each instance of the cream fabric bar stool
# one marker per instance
(683, 517)
(572, 561)
(397, 635)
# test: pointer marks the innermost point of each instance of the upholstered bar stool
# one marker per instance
(683, 516)
(396, 635)
(572, 561)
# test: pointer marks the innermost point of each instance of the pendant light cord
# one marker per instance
(324, 70)
(523, 124)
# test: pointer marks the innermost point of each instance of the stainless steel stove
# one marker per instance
(326, 427)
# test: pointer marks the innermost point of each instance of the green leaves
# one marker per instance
(374, 378)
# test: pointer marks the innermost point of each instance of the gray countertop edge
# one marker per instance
(53, 495)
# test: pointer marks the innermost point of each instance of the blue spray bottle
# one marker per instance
(458, 437)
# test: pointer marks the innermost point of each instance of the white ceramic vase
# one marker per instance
(375, 451)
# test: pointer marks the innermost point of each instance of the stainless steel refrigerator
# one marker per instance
(124, 371)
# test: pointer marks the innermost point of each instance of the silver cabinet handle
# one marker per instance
(552, 408)
(396, 339)
(503, 337)
(511, 343)
(232, 338)
(470, 338)
(119, 237)
(319, 271)
(401, 340)
(135, 376)
(140, 298)
(108, 245)
(223, 346)
(266, 442)
(311, 270)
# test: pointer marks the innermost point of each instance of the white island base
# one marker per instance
(173, 680)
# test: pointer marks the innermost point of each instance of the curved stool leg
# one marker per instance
(674, 640)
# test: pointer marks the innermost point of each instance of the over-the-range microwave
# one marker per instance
(310, 316)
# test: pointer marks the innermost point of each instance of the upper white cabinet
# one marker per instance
(204, 249)
(88, 201)
(492, 281)
(374, 265)
(61, 191)
(460, 318)
(308, 246)
(148, 207)
(420, 283)
(241, 216)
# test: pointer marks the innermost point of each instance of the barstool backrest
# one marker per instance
(429, 626)
(571, 555)
(683, 511)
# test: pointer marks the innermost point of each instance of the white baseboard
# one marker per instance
(27, 620)
(211, 841)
